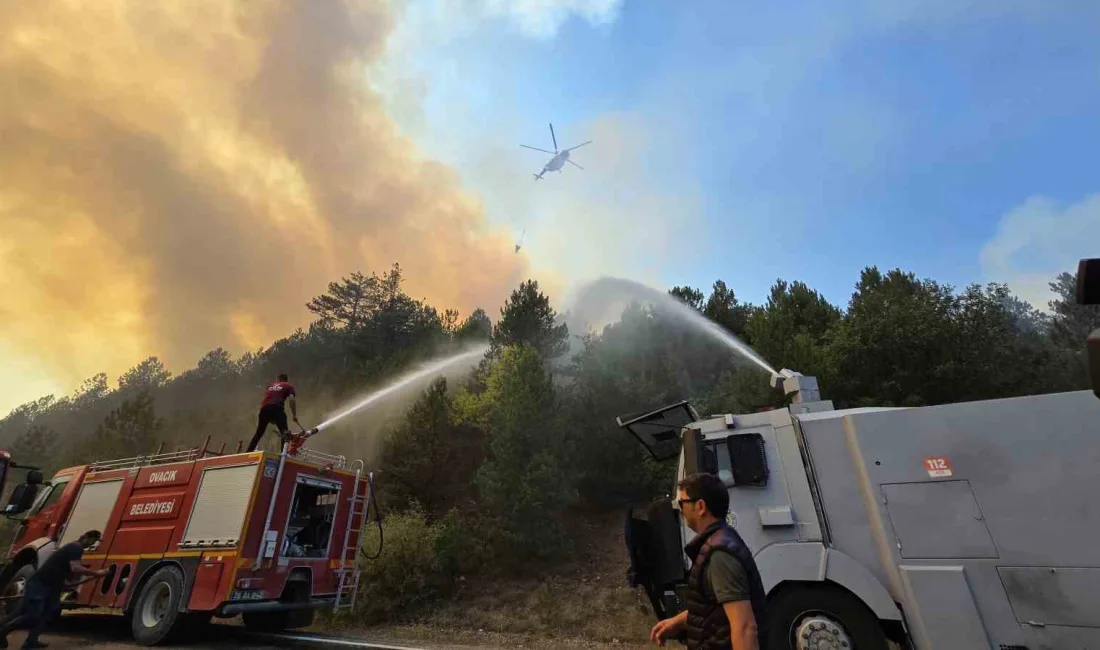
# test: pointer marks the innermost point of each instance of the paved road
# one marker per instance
(107, 632)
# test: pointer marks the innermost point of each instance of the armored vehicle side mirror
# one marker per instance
(1088, 293)
(22, 498)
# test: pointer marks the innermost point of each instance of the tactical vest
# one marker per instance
(707, 625)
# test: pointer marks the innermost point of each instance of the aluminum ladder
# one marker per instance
(348, 587)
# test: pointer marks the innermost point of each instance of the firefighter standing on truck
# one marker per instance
(271, 411)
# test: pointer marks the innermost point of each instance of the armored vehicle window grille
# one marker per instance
(748, 463)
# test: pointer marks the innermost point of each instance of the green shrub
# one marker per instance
(420, 563)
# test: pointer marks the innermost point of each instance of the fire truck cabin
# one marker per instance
(194, 534)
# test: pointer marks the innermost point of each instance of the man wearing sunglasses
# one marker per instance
(725, 596)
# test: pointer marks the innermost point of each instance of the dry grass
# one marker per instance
(436, 638)
(585, 603)
(554, 607)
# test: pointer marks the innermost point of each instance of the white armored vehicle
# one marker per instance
(958, 527)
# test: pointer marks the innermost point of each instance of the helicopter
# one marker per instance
(560, 157)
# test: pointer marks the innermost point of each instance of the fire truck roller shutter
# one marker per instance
(92, 509)
(220, 506)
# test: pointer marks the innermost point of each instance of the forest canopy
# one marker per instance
(511, 447)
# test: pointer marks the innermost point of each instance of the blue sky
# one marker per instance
(744, 141)
(748, 142)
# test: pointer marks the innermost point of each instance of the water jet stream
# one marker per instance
(597, 296)
(409, 379)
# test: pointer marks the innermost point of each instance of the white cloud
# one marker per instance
(1037, 240)
(543, 18)
(433, 23)
(420, 57)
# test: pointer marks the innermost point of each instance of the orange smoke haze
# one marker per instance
(177, 177)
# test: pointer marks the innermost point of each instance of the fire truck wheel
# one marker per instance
(15, 587)
(156, 611)
(804, 617)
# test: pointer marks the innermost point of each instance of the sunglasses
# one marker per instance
(680, 502)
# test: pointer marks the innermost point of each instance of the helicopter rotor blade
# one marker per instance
(553, 137)
(574, 164)
(537, 149)
(579, 146)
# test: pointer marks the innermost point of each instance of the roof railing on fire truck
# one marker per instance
(141, 461)
(160, 458)
(312, 456)
(321, 458)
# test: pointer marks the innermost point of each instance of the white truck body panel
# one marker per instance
(989, 507)
(973, 523)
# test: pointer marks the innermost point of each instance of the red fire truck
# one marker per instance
(193, 534)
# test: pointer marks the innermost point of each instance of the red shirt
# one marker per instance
(277, 392)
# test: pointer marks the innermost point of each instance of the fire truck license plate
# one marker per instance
(246, 594)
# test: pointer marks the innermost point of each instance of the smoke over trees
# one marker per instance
(179, 180)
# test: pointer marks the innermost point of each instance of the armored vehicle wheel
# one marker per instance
(156, 611)
(821, 616)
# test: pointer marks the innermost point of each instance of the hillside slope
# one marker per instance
(585, 603)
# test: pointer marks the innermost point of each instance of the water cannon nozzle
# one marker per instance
(778, 379)
(803, 388)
